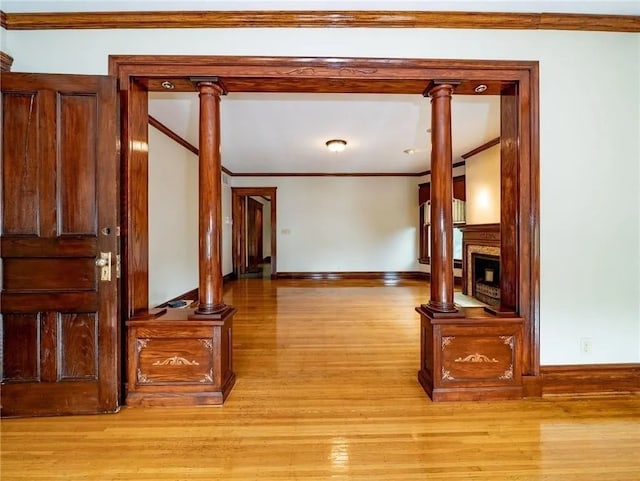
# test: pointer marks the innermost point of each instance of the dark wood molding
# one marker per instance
(180, 140)
(363, 75)
(480, 228)
(322, 19)
(6, 61)
(135, 200)
(481, 148)
(333, 276)
(590, 379)
(172, 135)
(3, 19)
(326, 174)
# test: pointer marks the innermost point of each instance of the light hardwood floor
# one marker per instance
(327, 390)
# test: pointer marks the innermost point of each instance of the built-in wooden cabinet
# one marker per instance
(175, 360)
(470, 357)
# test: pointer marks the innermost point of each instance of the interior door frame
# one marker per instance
(520, 233)
(238, 220)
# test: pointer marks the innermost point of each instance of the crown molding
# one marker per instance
(6, 61)
(321, 19)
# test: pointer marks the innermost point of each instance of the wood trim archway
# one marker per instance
(515, 81)
(237, 213)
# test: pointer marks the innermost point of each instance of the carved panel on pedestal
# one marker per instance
(174, 361)
(477, 358)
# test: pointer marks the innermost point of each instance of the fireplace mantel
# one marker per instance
(477, 238)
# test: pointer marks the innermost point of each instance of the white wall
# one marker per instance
(482, 184)
(173, 219)
(589, 149)
(343, 224)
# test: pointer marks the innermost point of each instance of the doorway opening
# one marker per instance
(254, 214)
(515, 81)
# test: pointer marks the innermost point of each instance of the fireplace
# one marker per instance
(485, 275)
(481, 262)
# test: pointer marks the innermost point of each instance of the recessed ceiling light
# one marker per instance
(480, 88)
(336, 145)
(167, 85)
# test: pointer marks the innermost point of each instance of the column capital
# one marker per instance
(215, 82)
(436, 86)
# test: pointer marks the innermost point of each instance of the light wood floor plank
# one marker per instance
(327, 390)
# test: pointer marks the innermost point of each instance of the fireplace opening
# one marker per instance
(486, 278)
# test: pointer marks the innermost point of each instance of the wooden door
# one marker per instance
(254, 233)
(60, 332)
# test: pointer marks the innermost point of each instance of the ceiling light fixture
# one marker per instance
(336, 145)
(480, 88)
(167, 85)
(409, 151)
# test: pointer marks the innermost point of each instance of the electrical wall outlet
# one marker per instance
(586, 345)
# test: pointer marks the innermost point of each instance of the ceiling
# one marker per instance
(286, 132)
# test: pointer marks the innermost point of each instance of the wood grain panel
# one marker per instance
(77, 164)
(19, 163)
(79, 397)
(135, 198)
(320, 19)
(29, 274)
(78, 346)
(20, 347)
(509, 206)
(49, 337)
(50, 247)
(477, 358)
(175, 361)
(29, 302)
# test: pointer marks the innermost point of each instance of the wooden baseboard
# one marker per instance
(590, 379)
(382, 275)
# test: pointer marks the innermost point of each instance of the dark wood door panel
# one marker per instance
(77, 164)
(60, 212)
(48, 398)
(49, 347)
(20, 163)
(53, 247)
(47, 274)
(20, 347)
(29, 302)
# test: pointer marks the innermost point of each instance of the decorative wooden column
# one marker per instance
(185, 356)
(467, 354)
(210, 201)
(442, 280)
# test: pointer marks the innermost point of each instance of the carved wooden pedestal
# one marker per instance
(177, 361)
(471, 357)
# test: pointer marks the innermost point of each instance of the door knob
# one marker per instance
(104, 263)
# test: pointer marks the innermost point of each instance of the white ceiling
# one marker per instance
(277, 133)
(619, 7)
